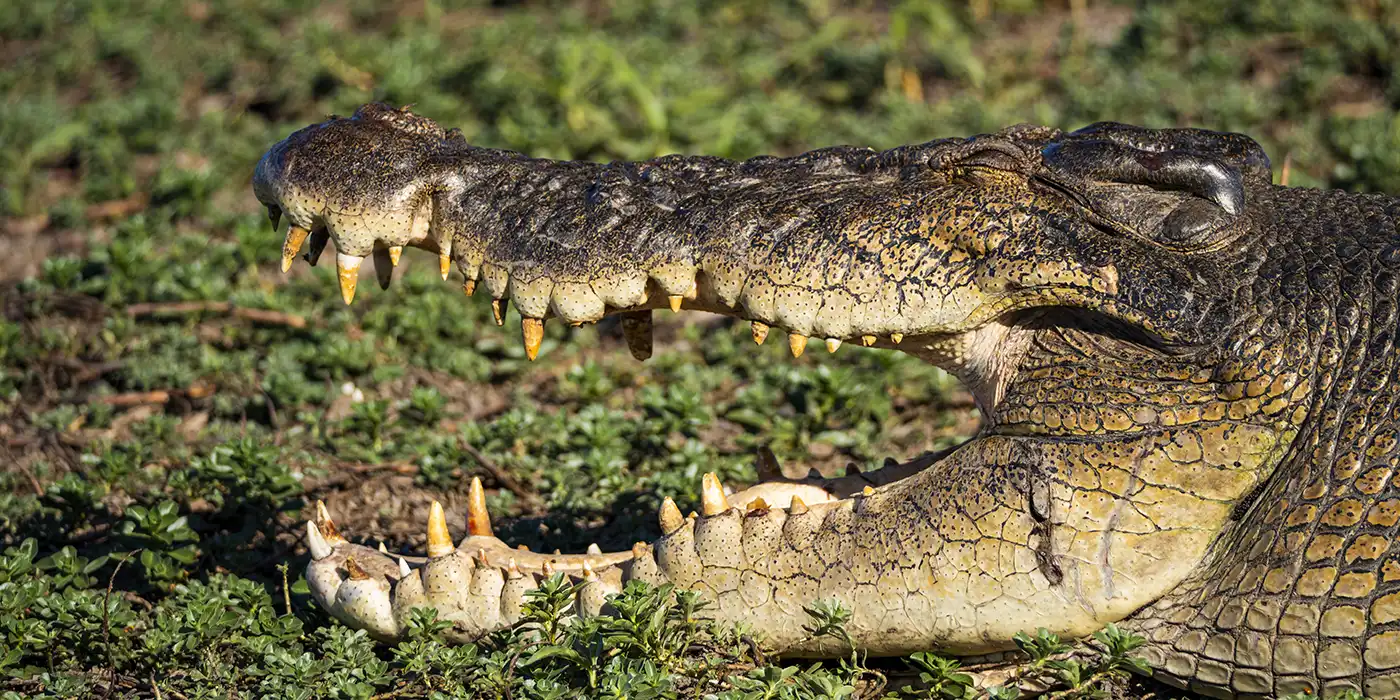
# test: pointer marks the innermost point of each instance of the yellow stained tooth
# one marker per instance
(513, 569)
(481, 560)
(867, 491)
(548, 568)
(347, 268)
(867, 340)
(522, 547)
(327, 526)
(896, 337)
(797, 506)
(760, 332)
(757, 504)
(532, 329)
(296, 236)
(395, 252)
(670, 516)
(444, 265)
(712, 500)
(356, 572)
(675, 300)
(797, 343)
(588, 574)
(832, 344)
(469, 287)
(498, 312)
(478, 520)
(439, 539)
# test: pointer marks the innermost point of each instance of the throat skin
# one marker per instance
(983, 359)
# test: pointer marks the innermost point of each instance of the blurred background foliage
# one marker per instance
(142, 413)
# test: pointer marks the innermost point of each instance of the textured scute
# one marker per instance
(1189, 379)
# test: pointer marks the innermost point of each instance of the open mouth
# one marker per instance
(959, 265)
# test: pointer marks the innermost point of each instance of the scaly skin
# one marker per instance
(1187, 374)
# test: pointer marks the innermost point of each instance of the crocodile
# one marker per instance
(1187, 375)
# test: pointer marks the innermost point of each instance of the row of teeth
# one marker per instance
(464, 584)
(322, 533)
(636, 325)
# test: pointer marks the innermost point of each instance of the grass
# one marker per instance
(160, 449)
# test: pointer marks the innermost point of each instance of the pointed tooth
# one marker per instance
(670, 516)
(522, 547)
(768, 467)
(797, 506)
(498, 311)
(757, 504)
(274, 215)
(383, 267)
(347, 269)
(797, 343)
(712, 500)
(760, 332)
(357, 573)
(867, 340)
(832, 344)
(296, 236)
(558, 553)
(319, 238)
(469, 287)
(478, 519)
(439, 539)
(482, 562)
(444, 265)
(327, 526)
(868, 491)
(532, 330)
(320, 548)
(593, 548)
(395, 252)
(675, 301)
(383, 549)
(637, 330)
(588, 574)
(403, 568)
(896, 337)
(548, 568)
(512, 568)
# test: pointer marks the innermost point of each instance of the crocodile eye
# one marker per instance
(1180, 198)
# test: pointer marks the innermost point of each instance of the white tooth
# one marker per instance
(594, 548)
(403, 568)
(320, 549)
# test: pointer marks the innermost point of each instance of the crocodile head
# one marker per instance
(1119, 300)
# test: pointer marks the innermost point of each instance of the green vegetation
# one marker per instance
(172, 403)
